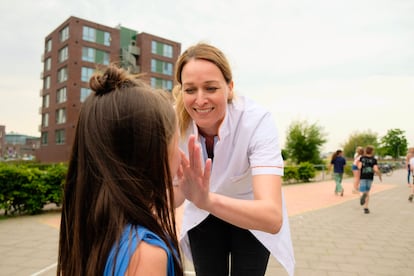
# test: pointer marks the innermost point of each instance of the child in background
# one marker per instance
(368, 166)
(355, 171)
(408, 157)
(411, 185)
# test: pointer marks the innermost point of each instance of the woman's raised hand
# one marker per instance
(195, 181)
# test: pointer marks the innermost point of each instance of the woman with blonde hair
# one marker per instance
(355, 171)
(235, 215)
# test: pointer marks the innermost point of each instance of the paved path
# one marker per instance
(331, 235)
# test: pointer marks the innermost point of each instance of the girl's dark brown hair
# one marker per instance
(118, 173)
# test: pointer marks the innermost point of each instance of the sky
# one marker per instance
(344, 65)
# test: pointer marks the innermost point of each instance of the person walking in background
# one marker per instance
(409, 167)
(355, 171)
(235, 214)
(368, 166)
(338, 163)
(411, 185)
(118, 205)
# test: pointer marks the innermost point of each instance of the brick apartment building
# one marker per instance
(72, 53)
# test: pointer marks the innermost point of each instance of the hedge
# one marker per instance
(28, 187)
(304, 172)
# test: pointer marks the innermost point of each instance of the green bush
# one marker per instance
(290, 173)
(54, 180)
(348, 169)
(27, 187)
(306, 171)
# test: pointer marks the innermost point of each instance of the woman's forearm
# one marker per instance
(263, 215)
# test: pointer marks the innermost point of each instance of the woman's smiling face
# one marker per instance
(205, 94)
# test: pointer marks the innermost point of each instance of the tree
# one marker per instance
(303, 142)
(361, 139)
(394, 143)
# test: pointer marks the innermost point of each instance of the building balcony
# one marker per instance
(134, 50)
(129, 61)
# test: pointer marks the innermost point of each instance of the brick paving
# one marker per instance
(331, 235)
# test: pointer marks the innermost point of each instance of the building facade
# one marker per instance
(20, 146)
(15, 146)
(73, 51)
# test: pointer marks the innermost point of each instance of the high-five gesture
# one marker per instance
(195, 183)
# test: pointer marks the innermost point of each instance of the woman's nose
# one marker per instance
(200, 97)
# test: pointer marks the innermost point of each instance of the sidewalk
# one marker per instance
(331, 235)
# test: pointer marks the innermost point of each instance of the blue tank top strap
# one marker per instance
(128, 244)
(153, 239)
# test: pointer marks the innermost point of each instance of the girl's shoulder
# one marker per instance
(148, 258)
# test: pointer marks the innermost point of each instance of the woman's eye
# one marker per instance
(211, 89)
(189, 90)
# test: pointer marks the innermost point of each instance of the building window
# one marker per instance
(161, 49)
(102, 57)
(85, 92)
(86, 73)
(64, 33)
(61, 95)
(48, 46)
(45, 101)
(107, 39)
(96, 36)
(62, 74)
(162, 67)
(60, 136)
(45, 119)
(95, 56)
(167, 68)
(88, 54)
(47, 82)
(48, 63)
(88, 34)
(162, 84)
(61, 116)
(44, 138)
(63, 54)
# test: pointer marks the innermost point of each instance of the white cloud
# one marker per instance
(342, 107)
(320, 60)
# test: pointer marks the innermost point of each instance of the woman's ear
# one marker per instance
(231, 85)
